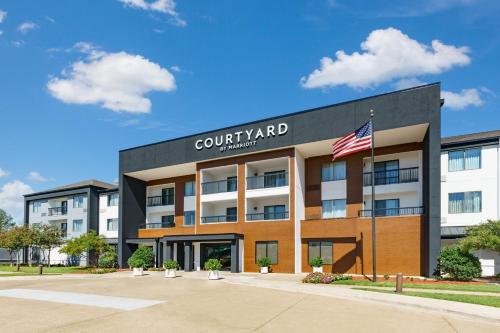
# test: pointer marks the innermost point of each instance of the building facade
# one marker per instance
(270, 189)
(73, 208)
(470, 189)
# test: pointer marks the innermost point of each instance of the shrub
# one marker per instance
(264, 262)
(316, 262)
(142, 257)
(386, 277)
(170, 264)
(102, 270)
(212, 265)
(457, 264)
(325, 278)
(108, 260)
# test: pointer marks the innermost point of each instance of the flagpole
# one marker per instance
(374, 246)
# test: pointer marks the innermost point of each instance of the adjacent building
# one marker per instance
(269, 188)
(75, 209)
(470, 188)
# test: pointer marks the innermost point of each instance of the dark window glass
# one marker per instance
(267, 249)
(323, 249)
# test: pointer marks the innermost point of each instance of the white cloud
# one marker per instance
(463, 99)
(18, 43)
(3, 173)
(386, 55)
(11, 198)
(3, 15)
(407, 83)
(37, 177)
(161, 6)
(115, 81)
(176, 69)
(26, 27)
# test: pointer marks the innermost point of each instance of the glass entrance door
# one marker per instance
(221, 251)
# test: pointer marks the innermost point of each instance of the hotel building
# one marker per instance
(270, 188)
(75, 209)
(470, 189)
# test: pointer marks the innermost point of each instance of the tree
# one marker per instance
(50, 238)
(485, 236)
(14, 240)
(90, 244)
(6, 221)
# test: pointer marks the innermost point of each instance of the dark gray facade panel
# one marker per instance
(131, 213)
(393, 110)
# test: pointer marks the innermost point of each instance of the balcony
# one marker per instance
(55, 211)
(219, 186)
(269, 180)
(267, 216)
(396, 176)
(160, 200)
(219, 219)
(158, 225)
(401, 211)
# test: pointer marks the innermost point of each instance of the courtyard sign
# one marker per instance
(241, 139)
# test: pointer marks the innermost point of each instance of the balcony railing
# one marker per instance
(58, 211)
(392, 211)
(396, 176)
(219, 219)
(219, 186)
(267, 181)
(160, 200)
(267, 216)
(158, 225)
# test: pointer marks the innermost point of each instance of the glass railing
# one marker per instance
(219, 186)
(58, 211)
(158, 225)
(396, 176)
(267, 216)
(267, 181)
(392, 211)
(219, 219)
(160, 200)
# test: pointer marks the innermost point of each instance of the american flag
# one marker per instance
(358, 140)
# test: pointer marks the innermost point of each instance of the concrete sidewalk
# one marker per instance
(291, 282)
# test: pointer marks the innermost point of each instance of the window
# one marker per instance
(464, 202)
(275, 178)
(112, 199)
(333, 171)
(267, 249)
(275, 212)
(190, 189)
(167, 196)
(388, 207)
(78, 201)
(231, 214)
(189, 217)
(112, 225)
(387, 172)
(466, 159)
(64, 229)
(333, 208)
(77, 225)
(167, 220)
(37, 206)
(323, 249)
(232, 184)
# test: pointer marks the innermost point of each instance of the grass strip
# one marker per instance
(490, 288)
(493, 301)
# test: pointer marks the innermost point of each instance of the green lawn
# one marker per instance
(464, 298)
(34, 269)
(490, 288)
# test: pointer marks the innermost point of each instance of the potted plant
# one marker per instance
(213, 266)
(264, 264)
(170, 268)
(137, 265)
(317, 265)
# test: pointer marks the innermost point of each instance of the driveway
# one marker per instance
(194, 304)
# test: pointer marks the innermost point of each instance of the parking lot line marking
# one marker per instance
(120, 303)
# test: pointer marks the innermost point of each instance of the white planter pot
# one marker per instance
(138, 271)
(170, 273)
(264, 270)
(213, 275)
(318, 269)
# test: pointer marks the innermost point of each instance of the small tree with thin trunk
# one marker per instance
(50, 238)
(484, 236)
(90, 244)
(6, 221)
(14, 240)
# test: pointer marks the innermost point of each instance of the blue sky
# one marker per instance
(82, 79)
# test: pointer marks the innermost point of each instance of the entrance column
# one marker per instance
(188, 257)
(235, 253)
(155, 251)
(168, 250)
(160, 254)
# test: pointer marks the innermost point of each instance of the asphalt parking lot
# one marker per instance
(195, 304)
